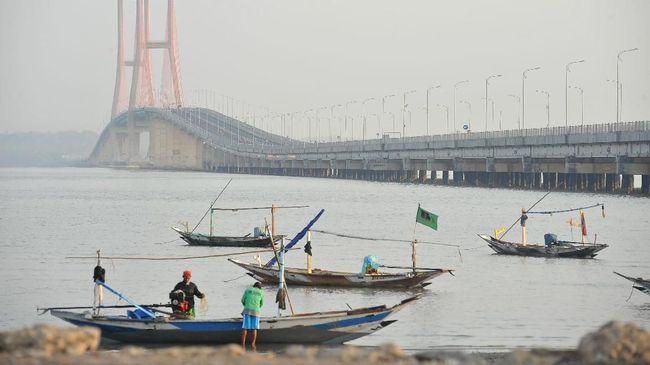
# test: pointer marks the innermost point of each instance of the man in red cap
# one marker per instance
(190, 290)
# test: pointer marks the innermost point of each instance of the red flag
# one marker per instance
(583, 224)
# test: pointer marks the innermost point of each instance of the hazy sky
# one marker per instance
(57, 64)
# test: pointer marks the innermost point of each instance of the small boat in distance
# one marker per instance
(317, 277)
(640, 284)
(555, 249)
(197, 239)
(552, 247)
(261, 236)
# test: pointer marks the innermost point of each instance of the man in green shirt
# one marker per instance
(252, 300)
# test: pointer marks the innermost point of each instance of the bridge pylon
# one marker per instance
(141, 89)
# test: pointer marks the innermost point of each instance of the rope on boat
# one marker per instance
(170, 258)
(567, 210)
(381, 239)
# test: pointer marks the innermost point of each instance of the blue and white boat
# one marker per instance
(334, 327)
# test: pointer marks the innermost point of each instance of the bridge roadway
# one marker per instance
(604, 157)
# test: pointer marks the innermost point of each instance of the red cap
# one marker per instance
(187, 273)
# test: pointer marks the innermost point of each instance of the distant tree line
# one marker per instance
(34, 149)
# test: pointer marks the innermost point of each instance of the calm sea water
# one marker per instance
(492, 303)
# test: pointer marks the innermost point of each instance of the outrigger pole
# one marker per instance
(126, 299)
(273, 208)
(210, 209)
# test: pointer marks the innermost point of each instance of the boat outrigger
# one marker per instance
(552, 247)
(640, 284)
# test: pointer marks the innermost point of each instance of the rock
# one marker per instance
(450, 358)
(50, 340)
(618, 343)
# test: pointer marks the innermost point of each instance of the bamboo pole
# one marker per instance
(273, 220)
(523, 227)
(413, 254)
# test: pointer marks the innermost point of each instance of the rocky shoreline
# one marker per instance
(614, 343)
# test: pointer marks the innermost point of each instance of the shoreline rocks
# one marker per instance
(614, 343)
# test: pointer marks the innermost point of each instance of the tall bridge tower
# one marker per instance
(141, 92)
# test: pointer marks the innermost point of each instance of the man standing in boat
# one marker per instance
(189, 290)
(252, 300)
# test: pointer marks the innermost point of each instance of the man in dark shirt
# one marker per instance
(190, 290)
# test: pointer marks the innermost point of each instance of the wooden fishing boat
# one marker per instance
(334, 327)
(640, 284)
(197, 239)
(317, 277)
(552, 247)
(260, 238)
(557, 249)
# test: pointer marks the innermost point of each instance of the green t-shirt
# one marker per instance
(253, 299)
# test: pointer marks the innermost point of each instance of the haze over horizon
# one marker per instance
(58, 64)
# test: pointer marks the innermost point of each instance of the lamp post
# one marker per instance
(469, 122)
(331, 119)
(455, 86)
(618, 83)
(566, 89)
(487, 82)
(363, 114)
(346, 116)
(446, 108)
(429, 89)
(318, 118)
(548, 102)
(404, 112)
(383, 111)
(582, 103)
(518, 100)
(309, 121)
(523, 95)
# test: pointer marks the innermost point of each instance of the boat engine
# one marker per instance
(179, 304)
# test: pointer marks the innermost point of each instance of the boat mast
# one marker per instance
(280, 271)
(413, 253)
(523, 219)
(273, 220)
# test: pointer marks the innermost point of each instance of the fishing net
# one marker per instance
(203, 306)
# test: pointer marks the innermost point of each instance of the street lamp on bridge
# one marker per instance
(363, 115)
(523, 95)
(566, 90)
(346, 117)
(446, 108)
(518, 108)
(487, 83)
(454, 108)
(429, 89)
(383, 111)
(404, 112)
(548, 102)
(619, 87)
(469, 120)
(582, 103)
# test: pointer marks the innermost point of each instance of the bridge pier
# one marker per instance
(445, 177)
(433, 177)
(627, 184)
(645, 184)
(422, 176)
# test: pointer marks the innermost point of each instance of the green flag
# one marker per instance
(427, 218)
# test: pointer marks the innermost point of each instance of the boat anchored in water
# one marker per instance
(640, 284)
(368, 277)
(260, 238)
(552, 247)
